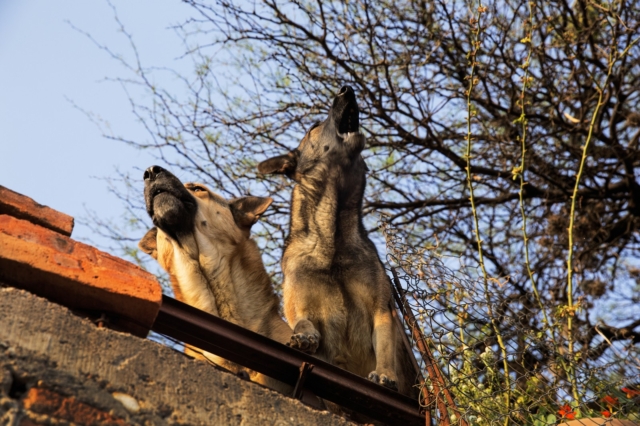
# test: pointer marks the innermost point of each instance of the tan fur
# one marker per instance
(337, 295)
(218, 269)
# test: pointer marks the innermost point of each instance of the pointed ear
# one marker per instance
(149, 243)
(247, 210)
(282, 164)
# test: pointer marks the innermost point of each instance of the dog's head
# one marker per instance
(335, 141)
(179, 211)
(171, 206)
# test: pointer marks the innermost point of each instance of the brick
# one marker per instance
(76, 275)
(60, 407)
(23, 207)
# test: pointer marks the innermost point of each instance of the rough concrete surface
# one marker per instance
(56, 368)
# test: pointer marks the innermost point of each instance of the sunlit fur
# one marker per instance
(337, 296)
(218, 268)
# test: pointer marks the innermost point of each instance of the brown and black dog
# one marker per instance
(337, 296)
(203, 242)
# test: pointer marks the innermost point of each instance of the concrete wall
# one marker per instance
(56, 368)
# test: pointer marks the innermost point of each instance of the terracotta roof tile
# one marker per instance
(23, 207)
(77, 275)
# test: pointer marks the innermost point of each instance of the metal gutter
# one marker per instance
(230, 341)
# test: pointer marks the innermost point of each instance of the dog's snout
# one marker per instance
(152, 172)
(345, 90)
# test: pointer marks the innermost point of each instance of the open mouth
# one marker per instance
(347, 112)
(349, 122)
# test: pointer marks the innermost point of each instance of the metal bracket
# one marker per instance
(305, 369)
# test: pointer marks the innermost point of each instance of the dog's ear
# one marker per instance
(283, 164)
(149, 243)
(247, 210)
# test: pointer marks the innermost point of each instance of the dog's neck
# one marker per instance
(190, 283)
(214, 280)
(327, 205)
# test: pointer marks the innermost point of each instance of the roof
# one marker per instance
(38, 254)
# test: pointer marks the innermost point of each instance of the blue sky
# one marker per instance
(49, 150)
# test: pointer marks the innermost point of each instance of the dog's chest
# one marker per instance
(347, 334)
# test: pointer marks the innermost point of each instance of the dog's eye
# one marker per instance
(197, 189)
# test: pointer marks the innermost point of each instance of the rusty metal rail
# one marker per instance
(212, 334)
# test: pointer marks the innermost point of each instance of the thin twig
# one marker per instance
(470, 113)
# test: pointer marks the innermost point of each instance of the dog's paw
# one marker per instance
(304, 342)
(383, 379)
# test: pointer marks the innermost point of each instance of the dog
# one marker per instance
(337, 296)
(202, 241)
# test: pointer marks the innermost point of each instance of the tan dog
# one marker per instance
(203, 243)
(337, 295)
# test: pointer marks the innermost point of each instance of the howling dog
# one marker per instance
(337, 296)
(202, 241)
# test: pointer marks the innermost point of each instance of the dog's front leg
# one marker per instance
(299, 303)
(385, 348)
